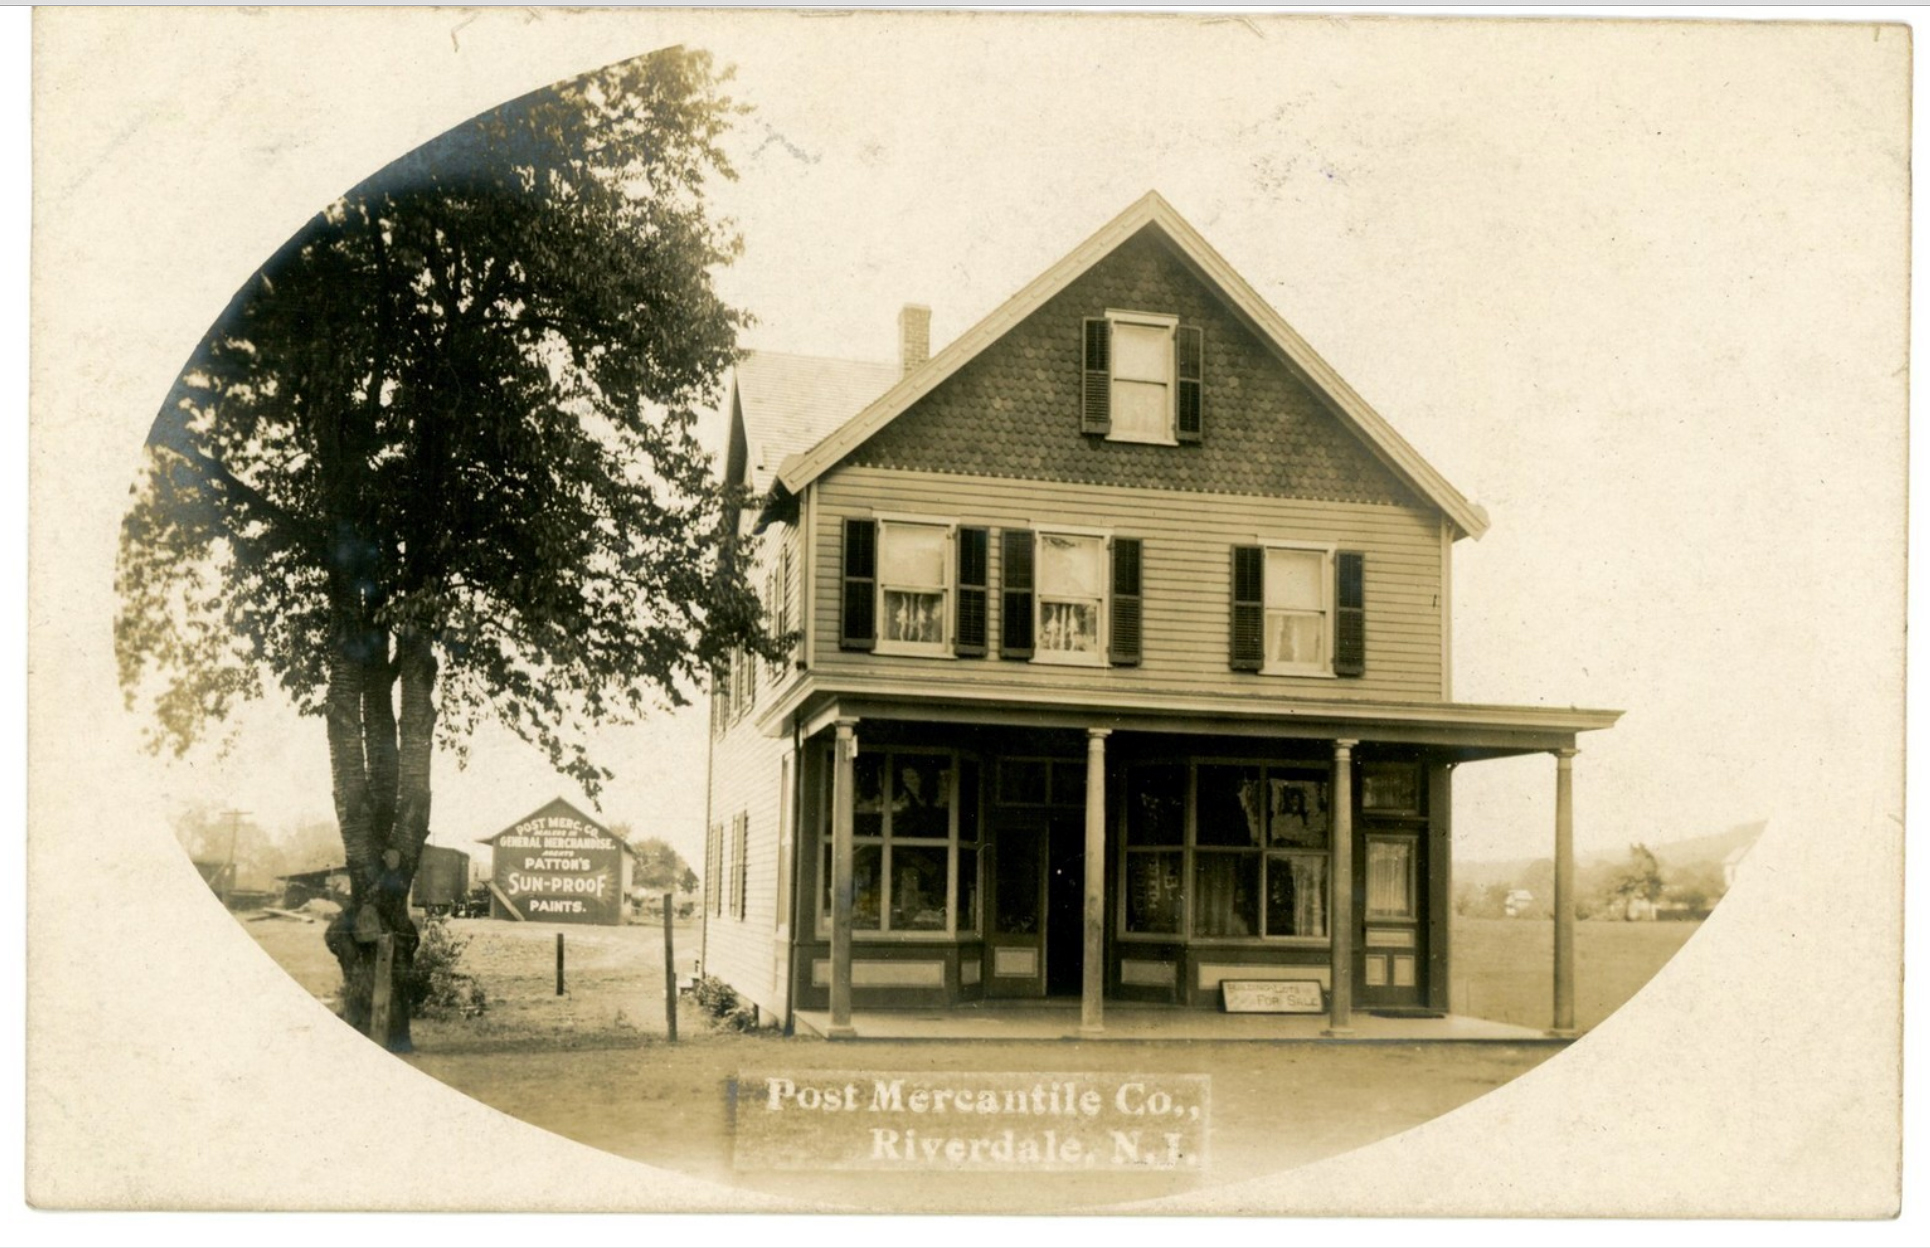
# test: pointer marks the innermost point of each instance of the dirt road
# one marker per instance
(1273, 1106)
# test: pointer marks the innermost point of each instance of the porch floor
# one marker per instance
(1059, 1020)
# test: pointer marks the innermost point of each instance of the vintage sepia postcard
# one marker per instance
(906, 612)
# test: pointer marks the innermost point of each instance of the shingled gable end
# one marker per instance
(1122, 639)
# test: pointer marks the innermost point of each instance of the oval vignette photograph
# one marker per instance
(896, 632)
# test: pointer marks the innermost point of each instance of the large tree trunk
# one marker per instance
(380, 771)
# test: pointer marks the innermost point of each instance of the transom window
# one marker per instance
(1299, 610)
(1072, 598)
(914, 586)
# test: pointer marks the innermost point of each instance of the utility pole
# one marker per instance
(228, 872)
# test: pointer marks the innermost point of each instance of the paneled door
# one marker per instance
(1393, 961)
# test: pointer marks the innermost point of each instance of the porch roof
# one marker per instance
(1459, 731)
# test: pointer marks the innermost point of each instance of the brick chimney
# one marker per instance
(914, 337)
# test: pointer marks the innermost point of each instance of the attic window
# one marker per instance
(1141, 378)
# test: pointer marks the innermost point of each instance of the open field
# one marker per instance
(1503, 969)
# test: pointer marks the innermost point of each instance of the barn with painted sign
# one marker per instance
(558, 865)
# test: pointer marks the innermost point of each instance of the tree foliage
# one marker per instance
(1638, 880)
(659, 867)
(436, 462)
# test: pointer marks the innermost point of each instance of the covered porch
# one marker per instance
(1306, 842)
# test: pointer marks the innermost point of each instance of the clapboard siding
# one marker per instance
(746, 771)
(745, 780)
(1187, 539)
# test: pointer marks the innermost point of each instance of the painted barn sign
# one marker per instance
(558, 866)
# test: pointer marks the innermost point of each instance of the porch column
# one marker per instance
(1092, 999)
(1565, 892)
(1340, 1000)
(842, 779)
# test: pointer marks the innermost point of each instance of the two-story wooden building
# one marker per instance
(1122, 664)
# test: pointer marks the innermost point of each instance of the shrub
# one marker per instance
(436, 987)
(719, 1000)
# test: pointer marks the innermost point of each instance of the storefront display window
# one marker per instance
(1251, 863)
(905, 843)
(1155, 837)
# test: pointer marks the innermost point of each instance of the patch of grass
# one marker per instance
(1503, 969)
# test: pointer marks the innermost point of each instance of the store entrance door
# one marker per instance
(1065, 902)
(1393, 961)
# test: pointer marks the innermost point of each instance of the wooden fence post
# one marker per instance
(559, 964)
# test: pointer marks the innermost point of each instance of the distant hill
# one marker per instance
(1671, 856)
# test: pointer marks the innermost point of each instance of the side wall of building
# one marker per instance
(752, 777)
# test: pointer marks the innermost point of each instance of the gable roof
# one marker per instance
(557, 809)
(790, 403)
(806, 466)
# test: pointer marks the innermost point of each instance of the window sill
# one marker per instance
(1164, 441)
(1262, 942)
(873, 936)
(904, 650)
(1311, 673)
(1070, 659)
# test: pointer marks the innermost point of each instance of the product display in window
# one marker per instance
(917, 888)
(1298, 814)
(1153, 892)
(1226, 894)
(1297, 895)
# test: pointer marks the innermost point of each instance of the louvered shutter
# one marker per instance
(858, 627)
(1015, 598)
(1350, 615)
(1190, 357)
(1095, 410)
(1248, 642)
(968, 637)
(1126, 602)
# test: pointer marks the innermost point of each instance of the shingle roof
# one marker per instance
(793, 402)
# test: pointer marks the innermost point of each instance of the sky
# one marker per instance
(1652, 322)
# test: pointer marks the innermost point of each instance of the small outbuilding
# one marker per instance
(558, 865)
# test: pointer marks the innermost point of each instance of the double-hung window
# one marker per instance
(914, 586)
(1071, 595)
(1299, 611)
(1142, 378)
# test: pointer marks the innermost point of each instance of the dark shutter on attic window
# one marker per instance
(858, 626)
(1247, 647)
(968, 638)
(1095, 411)
(1190, 356)
(1126, 616)
(1350, 617)
(1015, 604)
